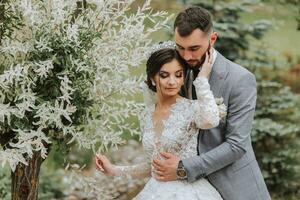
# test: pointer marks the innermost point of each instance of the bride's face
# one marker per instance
(169, 79)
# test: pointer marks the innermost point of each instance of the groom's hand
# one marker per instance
(166, 169)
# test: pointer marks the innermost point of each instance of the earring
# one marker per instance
(153, 83)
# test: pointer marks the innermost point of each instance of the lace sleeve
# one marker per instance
(141, 170)
(137, 171)
(206, 109)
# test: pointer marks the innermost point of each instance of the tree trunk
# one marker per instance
(25, 179)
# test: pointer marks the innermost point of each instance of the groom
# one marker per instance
(225, 154)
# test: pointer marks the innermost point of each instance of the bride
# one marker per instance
(171, 124)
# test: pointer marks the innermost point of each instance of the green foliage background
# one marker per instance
(265, 48)
(275, 129)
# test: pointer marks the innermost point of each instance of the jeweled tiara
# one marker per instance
(161, 45)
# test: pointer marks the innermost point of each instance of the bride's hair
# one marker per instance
(157, 60)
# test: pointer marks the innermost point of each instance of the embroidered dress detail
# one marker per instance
(177, 135)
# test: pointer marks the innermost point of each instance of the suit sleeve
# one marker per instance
(241, 107)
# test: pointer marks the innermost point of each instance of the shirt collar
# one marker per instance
(214, 56)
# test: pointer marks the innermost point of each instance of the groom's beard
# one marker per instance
(196, 64)
(201, 61)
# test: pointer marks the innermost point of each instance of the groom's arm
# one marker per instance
(240, 114)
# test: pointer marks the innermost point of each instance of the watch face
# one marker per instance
(181, 173)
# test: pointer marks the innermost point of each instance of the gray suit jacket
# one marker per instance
(226, 155)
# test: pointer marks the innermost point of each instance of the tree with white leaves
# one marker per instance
(65, 73)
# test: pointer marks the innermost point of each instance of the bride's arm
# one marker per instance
(206, 109)
(138, 171)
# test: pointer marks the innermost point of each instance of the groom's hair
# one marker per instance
(192, 18)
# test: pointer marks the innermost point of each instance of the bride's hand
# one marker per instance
(207, 65)
(105, 166)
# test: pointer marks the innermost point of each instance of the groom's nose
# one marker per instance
(187, 55)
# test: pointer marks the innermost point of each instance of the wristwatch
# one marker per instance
(181, 172)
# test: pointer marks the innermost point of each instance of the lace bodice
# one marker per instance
(180, 130)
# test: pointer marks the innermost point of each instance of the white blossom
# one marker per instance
(15, 47)
(66, 89)
(58, 12)
(27, 143)
(25, 102)
(52, 115)
(49, 52)
(72, 32)
(42, 44)
(30, 141)
(42, 68)
(30, 11)
(79, 65)
(13, 157)
(4, 112)
(15, 74)
(98, 3)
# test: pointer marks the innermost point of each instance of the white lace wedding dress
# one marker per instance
(178, 136)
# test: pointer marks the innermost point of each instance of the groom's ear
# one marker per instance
(213, 38)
